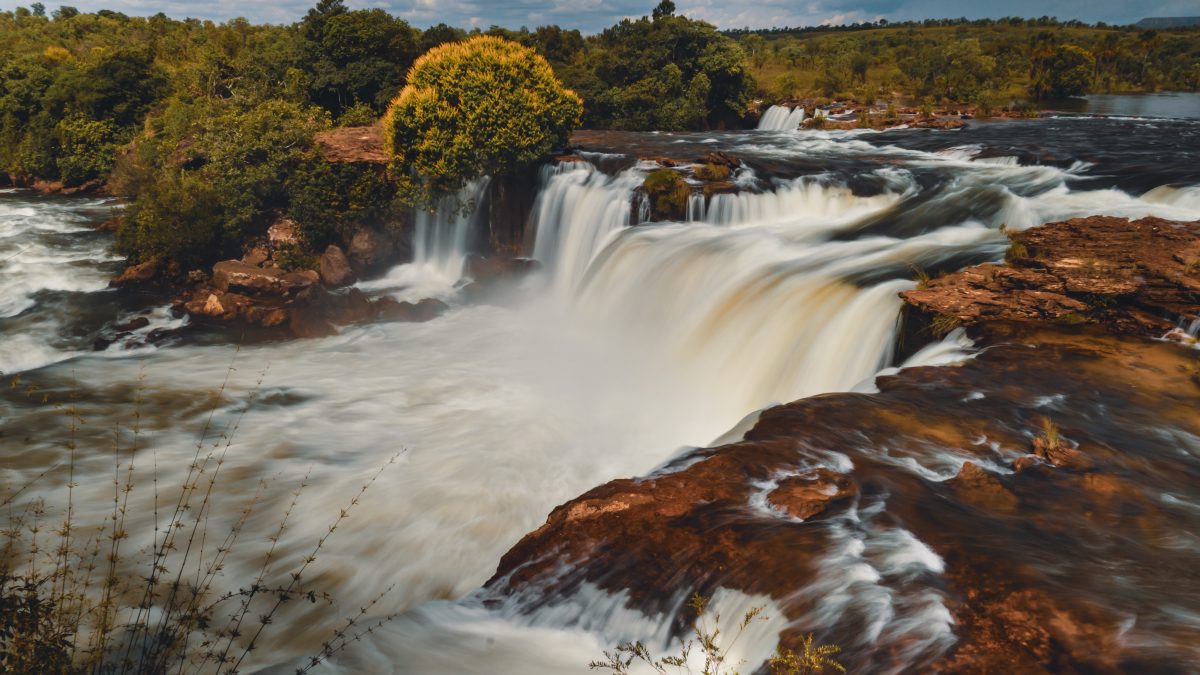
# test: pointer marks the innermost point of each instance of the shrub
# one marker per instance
(332, 201)
(668, 193)
(484, 106)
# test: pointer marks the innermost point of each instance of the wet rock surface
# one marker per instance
(1019, 512)
(1137, 277)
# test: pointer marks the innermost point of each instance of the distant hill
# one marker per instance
(1169, 22)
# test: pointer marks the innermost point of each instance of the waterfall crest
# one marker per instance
(781, 118)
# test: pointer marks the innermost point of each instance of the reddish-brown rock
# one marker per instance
(353, 145)
(1025, 496)
(237, 276)
(1132, 276)
(335, 267)
(137, 274)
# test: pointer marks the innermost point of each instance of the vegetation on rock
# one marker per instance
(487, 106)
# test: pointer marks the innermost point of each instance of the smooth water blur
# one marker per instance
(633, 342)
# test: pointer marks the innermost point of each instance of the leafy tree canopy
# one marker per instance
(483, 106)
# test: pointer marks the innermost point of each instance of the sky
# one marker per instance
(594, 15)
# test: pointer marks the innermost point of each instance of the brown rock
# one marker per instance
(1129, 276)
(237, 276)
(335, 267)
(283, 232)
(811, 493)
(137, 274)
(132, 325)
(389, 309)
(976, 486)
(353, 145)
(489, 270)
(212, 306)
(371, 250)
(256, 256)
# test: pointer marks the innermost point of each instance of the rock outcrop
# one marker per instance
(1140, 277)
(353, 145)
(1003, 515)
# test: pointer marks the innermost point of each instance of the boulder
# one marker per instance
(372, 251)
(256, 256)
(237, 276)
(389, 309)
(335, 267)
(137, 274)
(283, 232)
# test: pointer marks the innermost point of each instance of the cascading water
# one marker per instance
(440, 236)
(781, 118)
(645, 338)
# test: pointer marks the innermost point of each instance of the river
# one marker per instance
(633, 343)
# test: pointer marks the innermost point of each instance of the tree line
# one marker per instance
(206, 129)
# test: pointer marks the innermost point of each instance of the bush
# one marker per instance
(484, 106)
(668, 193)
(332, 201)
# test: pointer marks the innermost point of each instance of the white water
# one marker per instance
(36, 255)
(781, 118)
(635, 342)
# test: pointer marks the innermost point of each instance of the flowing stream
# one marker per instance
(633, 343)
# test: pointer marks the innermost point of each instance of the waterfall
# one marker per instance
(440, 236)
(781, 118)
(578, 211)
(746, 297)
(696, 207)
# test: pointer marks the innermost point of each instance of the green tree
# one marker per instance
(483, 106)
(358, 56)
(1071, 71)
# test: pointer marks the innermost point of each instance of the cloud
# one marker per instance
(594, 15)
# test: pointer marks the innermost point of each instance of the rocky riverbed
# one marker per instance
(994, 516)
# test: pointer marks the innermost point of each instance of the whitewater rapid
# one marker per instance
(634, 343)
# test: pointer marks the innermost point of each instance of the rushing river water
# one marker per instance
(633, 343)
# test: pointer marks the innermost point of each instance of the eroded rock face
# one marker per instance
(1136, 277)
(1020, 512)
(1013, 558)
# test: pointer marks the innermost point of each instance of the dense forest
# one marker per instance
(206, 129)
(985, 62)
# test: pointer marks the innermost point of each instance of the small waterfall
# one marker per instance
(440, 237)
(781, 118)
(696, 207)
(577, 212)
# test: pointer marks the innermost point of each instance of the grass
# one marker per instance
(942, 324)
(706, 638)
(71, 602)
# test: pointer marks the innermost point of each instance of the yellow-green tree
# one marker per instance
(486, 106)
